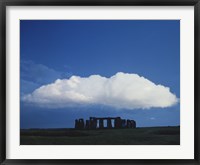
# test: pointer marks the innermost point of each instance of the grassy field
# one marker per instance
(138, 136)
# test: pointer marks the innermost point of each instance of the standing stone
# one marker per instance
(109, 124)
(101, 123)
(94, 123)
(76, 124)
(133, 123)
(87, 124)
(123, 123)
(128, 124)
(118, 122)
(81, 124)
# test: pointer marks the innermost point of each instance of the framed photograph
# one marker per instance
(99, 82)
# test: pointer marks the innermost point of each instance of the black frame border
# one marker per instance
(4, 3)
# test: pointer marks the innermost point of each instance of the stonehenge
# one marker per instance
(99, 123)
(79, 124)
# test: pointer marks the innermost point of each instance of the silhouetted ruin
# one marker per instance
(98, 123)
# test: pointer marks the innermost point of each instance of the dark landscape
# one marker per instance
(138, 136)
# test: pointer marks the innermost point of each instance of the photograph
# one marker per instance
(100, 82)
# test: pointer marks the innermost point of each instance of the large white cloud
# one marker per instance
(122, 90)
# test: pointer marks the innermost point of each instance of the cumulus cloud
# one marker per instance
(122, 90)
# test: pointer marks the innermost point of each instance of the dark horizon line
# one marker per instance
(97, 128)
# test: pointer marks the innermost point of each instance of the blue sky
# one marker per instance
(51, 50)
